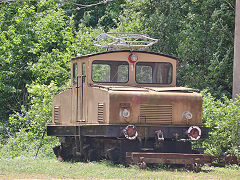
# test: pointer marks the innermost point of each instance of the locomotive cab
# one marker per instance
(125, 101)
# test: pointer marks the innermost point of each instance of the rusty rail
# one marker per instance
(190, 161)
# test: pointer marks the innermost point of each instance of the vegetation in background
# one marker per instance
(28, 126)
(38, 39)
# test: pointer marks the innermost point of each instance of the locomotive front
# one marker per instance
(125, 101)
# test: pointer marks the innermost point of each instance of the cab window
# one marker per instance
(110, 71)
(154, 73)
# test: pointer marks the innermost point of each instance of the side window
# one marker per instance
(74, 75)
(83, 72)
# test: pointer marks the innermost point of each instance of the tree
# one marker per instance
(206, 46)
(16, 40)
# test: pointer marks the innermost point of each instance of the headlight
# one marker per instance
(194, 132)
(187, 115)
(130, 132)
(125, 113)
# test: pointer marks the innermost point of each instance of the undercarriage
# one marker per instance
(111, 142)
(115, 149)
(124, 144)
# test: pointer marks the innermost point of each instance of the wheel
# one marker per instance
(197, 167)
(60, 158)
(113, 155)
(93, 155)
(143, 165)
(189, 167)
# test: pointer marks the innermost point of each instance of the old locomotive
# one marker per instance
(124, 105)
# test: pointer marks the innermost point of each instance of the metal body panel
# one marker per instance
(64, 102)
(116, 131)
(96, 96)
(79, 103)
(116, 51)
(179, 101)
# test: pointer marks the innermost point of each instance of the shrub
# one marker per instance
(26, 144)
(27, 127)
(223, 119)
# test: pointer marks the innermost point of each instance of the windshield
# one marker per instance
(110, 71)
(154, 73)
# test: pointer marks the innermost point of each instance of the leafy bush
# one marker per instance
(27, 127)
(39, 112)
(223, 119)
(26, 143)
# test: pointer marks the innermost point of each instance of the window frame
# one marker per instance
(125, 63)
(152, 72)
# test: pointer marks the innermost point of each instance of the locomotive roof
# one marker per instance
(106, 52)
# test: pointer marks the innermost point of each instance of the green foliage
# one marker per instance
(223, 119)
(205, 46)
(26, 143)
(27, 35)
(28, 126)
(54, 66)
(130, 19)
(105, 15)
(16, 37)
(37, 39)
(39, 113)
(83, 41)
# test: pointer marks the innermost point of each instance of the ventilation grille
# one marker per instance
(56, 112)
(161, 114)
(100, 112)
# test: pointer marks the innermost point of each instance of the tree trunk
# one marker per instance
(236, 65)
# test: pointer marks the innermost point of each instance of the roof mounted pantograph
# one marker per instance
(117, 41)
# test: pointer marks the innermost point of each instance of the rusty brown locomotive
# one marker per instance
(122, 102)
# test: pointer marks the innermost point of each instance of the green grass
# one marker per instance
(28, 168)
